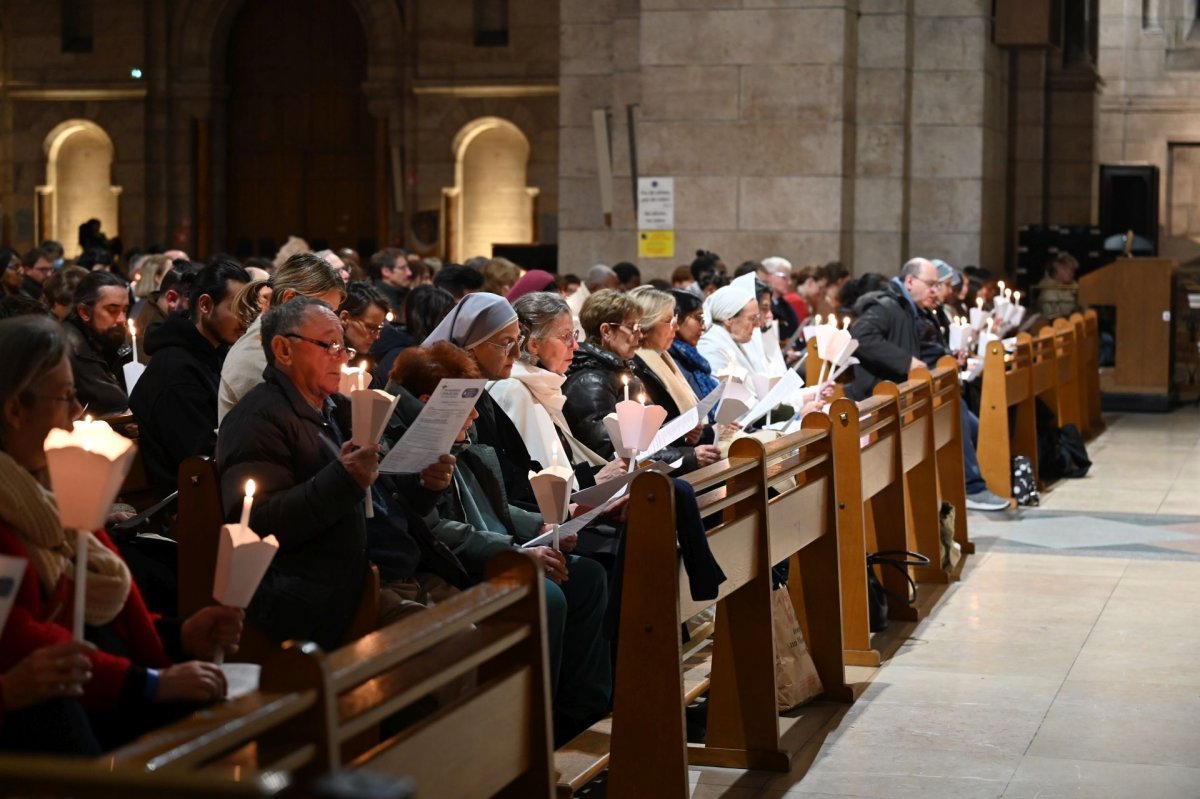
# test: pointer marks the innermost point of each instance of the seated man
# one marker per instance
(170, 296)
(290, 435)
(888, 327)
(175, 401)
(96, 335)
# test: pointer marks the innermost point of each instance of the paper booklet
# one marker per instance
(433, 432)
(684, 423)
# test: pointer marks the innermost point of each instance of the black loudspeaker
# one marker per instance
(1129, 201)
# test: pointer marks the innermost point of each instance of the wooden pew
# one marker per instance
(870, 517)
(1044, 374)
(914, 402)
(79, 778)
(1005, 385)
(644, 744)
(813, 366)
(1091, 374)
(312, 706)
(1069, 397)
(946, 393)
(197, 531)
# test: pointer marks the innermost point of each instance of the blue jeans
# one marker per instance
(580, 665)
(970, 437)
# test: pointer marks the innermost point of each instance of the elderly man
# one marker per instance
(291, 437)
(96, 332)
(776, 272)
(888, 326)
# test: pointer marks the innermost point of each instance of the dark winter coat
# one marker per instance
(99, 379)
(885, 326)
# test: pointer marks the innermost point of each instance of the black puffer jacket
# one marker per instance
(885, 325)
(593, 388)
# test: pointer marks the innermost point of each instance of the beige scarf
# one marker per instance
(29, 510)
(664, 367)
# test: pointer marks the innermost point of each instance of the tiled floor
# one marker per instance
(1066, 663)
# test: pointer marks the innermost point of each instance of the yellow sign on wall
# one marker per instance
(656, 244)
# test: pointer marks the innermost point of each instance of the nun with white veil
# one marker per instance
(731, 316)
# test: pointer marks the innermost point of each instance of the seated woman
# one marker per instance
(364, 316)
(730, 316)
(475, 520)
(596, 378)
(137, 684)
(695, 368)
(532, 397)
(663, 381)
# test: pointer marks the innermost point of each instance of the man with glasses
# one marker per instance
(887, 327)
(291, 435)
(37, 268)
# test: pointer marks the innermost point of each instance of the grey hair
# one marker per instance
(33, 345)
(536, 312)
(598, 275)
(283, 320)
(913, 267)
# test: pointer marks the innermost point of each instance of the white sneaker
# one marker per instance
(986, 500)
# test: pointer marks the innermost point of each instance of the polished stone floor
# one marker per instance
(1064, 664)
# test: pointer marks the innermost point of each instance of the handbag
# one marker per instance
(877, 595)
(796, 678)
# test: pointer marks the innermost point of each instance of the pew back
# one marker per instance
(946, 394)
(1091, 373)
(1006, 384)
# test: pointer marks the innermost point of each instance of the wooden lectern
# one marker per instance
(1142, 292)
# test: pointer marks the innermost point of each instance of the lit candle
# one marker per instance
(362, 375)
(625, 380)
(1008, 293)
(133, 335)
(846, 322)
(554, 454)
(1000, 285)
(979, 303)
(817, 319)
(1017, 297)
(642, 398)
(246, 503)
(390, 317)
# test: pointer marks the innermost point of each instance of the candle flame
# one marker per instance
(818, 319)
(846, 322)
(250, 488)
(132, 328)
(1001, 285)
(1016, 296)
(625, 380)
(979, 303)
(362, 365)
(390, 317)
(642, 398)
(87, 419)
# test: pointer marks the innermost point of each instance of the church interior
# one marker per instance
(1036, 649)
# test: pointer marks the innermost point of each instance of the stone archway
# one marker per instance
(490, 202)
(79, 158)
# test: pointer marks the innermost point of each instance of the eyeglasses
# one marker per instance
(506, 347)
(756, 318)
(70, 397)
(334, 349)
(634, 330)
(930, 283)
(373, 329)
(573, 337)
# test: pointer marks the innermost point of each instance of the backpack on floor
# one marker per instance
(1024, 481)
(1061, 452)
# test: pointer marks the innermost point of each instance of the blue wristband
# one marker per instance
(151, 684)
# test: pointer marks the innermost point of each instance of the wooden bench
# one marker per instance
(494, 739)
(79, 778)
(1069, 409)
(1090, 374)
(197, 530)
(946, 393)
(870, 495)
(914, 403)
(1005, 385)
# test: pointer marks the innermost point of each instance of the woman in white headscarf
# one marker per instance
(730, 318)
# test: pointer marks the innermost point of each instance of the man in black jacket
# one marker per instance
(887, 326)
(37, 266)
(290, 434)
(96, 332)
(175, 400)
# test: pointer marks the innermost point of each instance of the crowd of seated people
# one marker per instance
(247, 370)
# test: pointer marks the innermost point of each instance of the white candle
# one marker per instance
(979, 303)
(362, 375)
(1008, 294)
(1017, 297)
(81, 552)
(1000, 285)
(818, 319)
(625, 380)
(846, 322)
(246, 503)
(554, 454)
(642, 399)
(133, 336)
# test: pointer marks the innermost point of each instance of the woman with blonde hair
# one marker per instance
(152, 268)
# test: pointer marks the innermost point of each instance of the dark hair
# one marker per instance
(94, 256)
(6, 256)
(51, 249)
(424, 308)
(361, 295)
(88, 290)
(30, 258)
(385, 257)
(20, 305)
(213, 280)
(420, 369)
(265, 264)
(704, 261)
(458, 280)
(835, 271)
(746, 268)
(626, 272)
(685, 302)
(59, 288)
(570, 278)
(32, 346)
(761, 288)
(872, 281)
(284, 319)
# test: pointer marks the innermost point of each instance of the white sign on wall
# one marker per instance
(656, 203)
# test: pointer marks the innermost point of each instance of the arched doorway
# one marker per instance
(300, 140)
(79, 158)
(490, 203)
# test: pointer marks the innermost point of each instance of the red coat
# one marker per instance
(38, 620)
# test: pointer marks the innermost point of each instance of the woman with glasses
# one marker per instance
(144, 670)
(10, 282)
(532, 397)
(602, 366)
(664, 383)
(695, 368)
(363, 315)
(731, 315)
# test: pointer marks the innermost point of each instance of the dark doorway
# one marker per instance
(301, 143)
